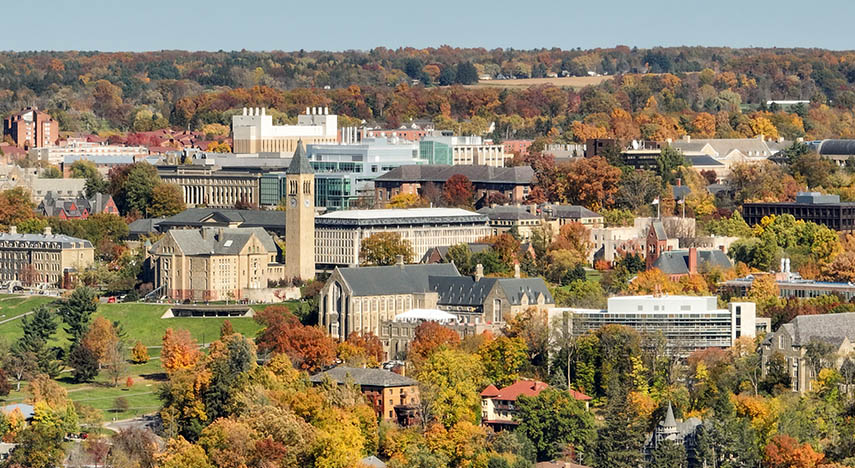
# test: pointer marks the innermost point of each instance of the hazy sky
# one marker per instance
(138, 25)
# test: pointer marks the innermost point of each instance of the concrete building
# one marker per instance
(394, 397)
(31, 128)
(791, 341)
(499, 406)
(214, 264)
(78, 148)
(339, 235)
(512, 182)
(808, 206)
(42, 258)
(687, 323)
(300, 218)
(253, 131)
(442, 147)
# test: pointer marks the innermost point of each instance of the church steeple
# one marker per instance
(299, 162)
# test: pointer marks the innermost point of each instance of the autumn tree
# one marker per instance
(383, 248)
(139, 354)
(406, 200)
(364, 347)
(458, 191)
(308, 347)
(430, 336)
(503, 359)
(450, 384)
(590, 182)
(100, 339)
(180, 351)
(166, 200)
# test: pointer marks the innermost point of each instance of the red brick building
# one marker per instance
(516, 146)
(31, 128)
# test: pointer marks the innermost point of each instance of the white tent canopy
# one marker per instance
(433, 315)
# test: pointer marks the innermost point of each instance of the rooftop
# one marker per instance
(364, 377)
(402, 216)
(477, 174)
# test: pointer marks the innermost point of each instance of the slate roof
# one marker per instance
(831, 328)
(703, 160)
(364, 377)
(676, 262)
(273, 220)
(67, 241)
(465, 291)
(474, 247)
(659, 228)
(753, 147)
(836, 147)
(394, 279)
(143, 226)
(514, 213)
(569, 211)
(299, 162)
(73, 207)
(218, 241)
(475, 173)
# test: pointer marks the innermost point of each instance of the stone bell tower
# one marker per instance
(300, 217)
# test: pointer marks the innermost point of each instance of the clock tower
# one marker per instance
(300, 217)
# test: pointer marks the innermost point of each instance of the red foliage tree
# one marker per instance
(309, 348)
(369, 342)
(784, 451)
(458, 191)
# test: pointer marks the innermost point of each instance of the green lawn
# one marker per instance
(141, 322)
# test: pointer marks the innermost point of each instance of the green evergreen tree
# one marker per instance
(84, 364)
(76, 313)
(668, 454)
(727, 440)
(620, 440)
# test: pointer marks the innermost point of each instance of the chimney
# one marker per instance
(399, 260)
(47, 231)
(516, 270)
(693, 260)
(479, 272)
(244, 111)
(13, 229)
(307, 111)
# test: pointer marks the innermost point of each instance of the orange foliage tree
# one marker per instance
(784, 451)
(180, 351)
(590, 182)
(431, 336)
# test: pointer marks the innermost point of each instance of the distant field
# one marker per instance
(576, 82)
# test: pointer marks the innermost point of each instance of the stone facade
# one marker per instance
(213, 188)
(42, 258)
(300, 218)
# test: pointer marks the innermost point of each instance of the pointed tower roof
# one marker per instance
(670, 421)
(299, 162)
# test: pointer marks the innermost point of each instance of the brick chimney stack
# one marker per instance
(693, 260)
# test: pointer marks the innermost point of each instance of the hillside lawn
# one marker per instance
(141, 322)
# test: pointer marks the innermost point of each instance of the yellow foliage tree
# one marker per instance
(407, 200)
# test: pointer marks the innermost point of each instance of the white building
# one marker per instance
(687, 323)
(443, 148)
(339, 235)
(253, 131)
(83, 149)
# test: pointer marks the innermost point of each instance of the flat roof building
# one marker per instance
(339, 235)
(254, 132)
(809, 206)
(687, 323)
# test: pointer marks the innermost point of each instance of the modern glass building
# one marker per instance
(435, 152)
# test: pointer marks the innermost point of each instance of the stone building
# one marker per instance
(212, 187)
(300, 217)
(214, 264)
(42, 258)
(682, 432)
(792, 339)
(366, 299)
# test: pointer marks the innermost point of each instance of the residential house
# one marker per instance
(394, 397)
(77, 208)
(499, 406)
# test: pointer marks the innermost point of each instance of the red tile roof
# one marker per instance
(530, 388)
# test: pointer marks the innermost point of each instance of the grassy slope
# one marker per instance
(141, 322)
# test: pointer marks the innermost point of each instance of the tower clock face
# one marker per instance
(293, 202)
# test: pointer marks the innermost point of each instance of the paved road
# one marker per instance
(140, 422)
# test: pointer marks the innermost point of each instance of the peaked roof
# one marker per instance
(394, 279)
(490, 391)
(299, 162)
(364, 377)
(670, 420)
(659, 230)
(465, 291)
(831, 328)
(218, 241)
(527, 387)
(676, 262)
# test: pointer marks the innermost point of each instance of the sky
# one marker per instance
(144, 25)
